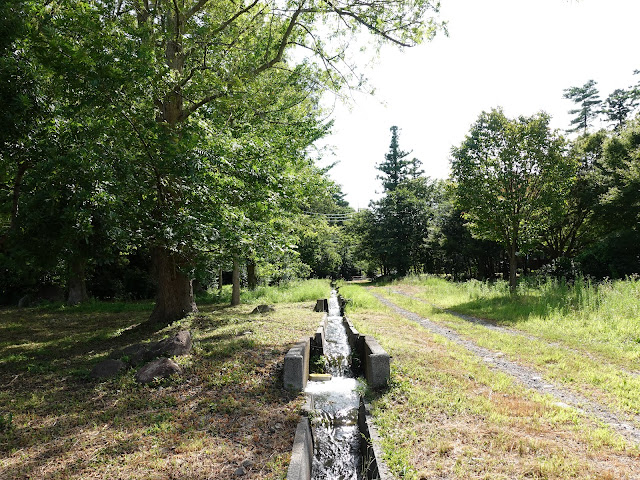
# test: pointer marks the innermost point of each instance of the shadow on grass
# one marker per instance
(48, 339)
(67, 426)
(513, 309)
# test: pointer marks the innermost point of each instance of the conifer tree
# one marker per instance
(396, 167)
(587, 98)
(618, 107)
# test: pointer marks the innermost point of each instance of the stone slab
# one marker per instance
(370, 447)
(296, 366)
(377, 364)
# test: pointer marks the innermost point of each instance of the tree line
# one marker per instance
(174, 137)
(148, 147)
(521, 197)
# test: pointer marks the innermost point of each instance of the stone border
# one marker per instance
(296, 365)
(370, 446)
(322, 305)
(376, 368)
(302, 452)
(296, 361)
(318, 340)
(376, 362)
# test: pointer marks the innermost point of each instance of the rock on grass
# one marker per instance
(107, 369)
(159, 368)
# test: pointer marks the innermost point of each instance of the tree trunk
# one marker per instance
(220, 280)
(235, 289)
(17, 185)
(174, 299)
(77, 283)
(252, 280)
(513, 267)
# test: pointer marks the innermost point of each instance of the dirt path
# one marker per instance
(528, 377)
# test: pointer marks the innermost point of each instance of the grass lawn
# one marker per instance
(603, 319)
(447, 415)
(228, 408)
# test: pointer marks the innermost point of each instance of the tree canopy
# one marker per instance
(512, 176)
(188, 124)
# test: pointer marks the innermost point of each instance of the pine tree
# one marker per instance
(396, 167)
(587, 98)
(619, 105)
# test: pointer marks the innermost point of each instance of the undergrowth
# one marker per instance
(289, 292)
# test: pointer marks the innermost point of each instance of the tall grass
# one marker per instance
(605, 315)
(359, 299)
(291, 292)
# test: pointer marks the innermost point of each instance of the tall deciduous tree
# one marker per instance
(616, 214)
(24, 120)
(572, 229)
(587, 98)
(512, 177)
(173, 71)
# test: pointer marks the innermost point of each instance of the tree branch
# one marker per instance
(195, 9)
(235, 17)
(342, 13)
(283, 41)
(195, 106)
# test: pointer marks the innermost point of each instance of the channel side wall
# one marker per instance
(375, 361)
(376, 369)
(302, 452)
(296, 366)
(296, 361)
(370, 446)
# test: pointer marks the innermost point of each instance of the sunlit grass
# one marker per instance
(600, 317)
(289, 292)
(358, 298)
(601, 381)
(295, 291)
(448, 415)
(58, 423)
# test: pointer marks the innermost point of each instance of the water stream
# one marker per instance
(335, 407)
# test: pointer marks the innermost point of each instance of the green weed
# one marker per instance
(358, 299)
(6, 422)
(602, 318)
(290, 292)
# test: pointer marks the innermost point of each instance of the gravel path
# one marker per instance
(528, 377)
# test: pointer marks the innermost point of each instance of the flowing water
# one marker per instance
(335, 407)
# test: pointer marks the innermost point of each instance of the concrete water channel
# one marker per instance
(334, 406)
(336, 439)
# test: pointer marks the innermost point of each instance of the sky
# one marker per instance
(516, 54)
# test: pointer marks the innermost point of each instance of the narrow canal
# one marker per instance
(335, 407)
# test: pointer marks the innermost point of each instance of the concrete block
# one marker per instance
(302, 453)
(352, 334)
(318, 340)
(296, 366)
(377, 364)
(322, 305)
(342, 303)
